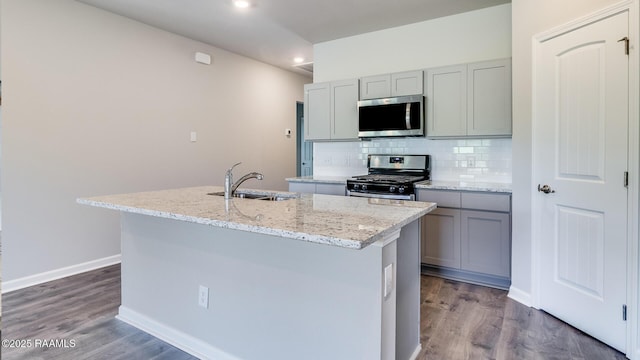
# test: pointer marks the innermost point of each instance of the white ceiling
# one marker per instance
(276, 31)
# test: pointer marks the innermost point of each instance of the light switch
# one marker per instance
(388, 279)
(194, 136)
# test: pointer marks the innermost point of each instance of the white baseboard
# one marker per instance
(12, 285)
(177, 338)
(520, 296)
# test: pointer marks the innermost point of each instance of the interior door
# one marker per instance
(304, 148)
(580, 146)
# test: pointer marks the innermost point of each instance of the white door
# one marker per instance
(580, 153)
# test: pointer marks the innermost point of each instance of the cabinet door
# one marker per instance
(317, 111)
(486, 245)
(344, 109)
(375, 87)
(406, 83)
(441, 238)
(446, 101)
(489, 102)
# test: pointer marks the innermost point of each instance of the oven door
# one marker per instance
(410, 197)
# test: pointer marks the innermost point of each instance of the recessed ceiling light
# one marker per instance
(243, 4)
(298, 60)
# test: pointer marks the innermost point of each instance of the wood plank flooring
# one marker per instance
(464, 321)
(458, 321)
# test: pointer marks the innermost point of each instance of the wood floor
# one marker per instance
(458, 321)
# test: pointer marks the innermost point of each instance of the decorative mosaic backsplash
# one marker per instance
(482, 160)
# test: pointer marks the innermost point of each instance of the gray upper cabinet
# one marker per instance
(406, 83)
(317, 111)
(469, 100)
(344, 109)
(489, 101)
(375, 87)
(330, 110)
(396, 84)
(446, 95)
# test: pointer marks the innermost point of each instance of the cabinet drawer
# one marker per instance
(442, 198)
(485, 201)
(329, 189)
(299, 187)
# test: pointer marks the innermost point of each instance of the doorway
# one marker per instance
(304, 149)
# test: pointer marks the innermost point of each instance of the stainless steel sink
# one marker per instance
(268, 196)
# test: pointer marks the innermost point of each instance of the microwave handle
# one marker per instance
(407, 116)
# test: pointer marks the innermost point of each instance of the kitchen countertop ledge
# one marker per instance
(348, 222)
(465, 186)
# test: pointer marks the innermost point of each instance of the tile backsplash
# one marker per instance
(479, 160)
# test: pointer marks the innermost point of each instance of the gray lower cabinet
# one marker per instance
(486, 242)
(317, 188)
(441, 238)
(468, 237)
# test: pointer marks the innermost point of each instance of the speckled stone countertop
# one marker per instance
(349, 222)
(464, 186)
(321, 179)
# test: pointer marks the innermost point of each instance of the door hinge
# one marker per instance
(626, 44)
(626, 179)
(624, 312)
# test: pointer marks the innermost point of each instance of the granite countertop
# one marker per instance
(320, 179)
(464, 186)
(349, 222)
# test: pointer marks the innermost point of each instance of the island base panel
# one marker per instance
(269, 297)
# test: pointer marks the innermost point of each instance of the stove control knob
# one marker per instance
(364, 187)
(392, 188)
(356, 186)
(401, 189)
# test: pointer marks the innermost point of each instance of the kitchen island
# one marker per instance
(311, 276)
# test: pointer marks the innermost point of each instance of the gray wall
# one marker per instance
(94, 103)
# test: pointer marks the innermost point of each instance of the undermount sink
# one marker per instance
(268, 196)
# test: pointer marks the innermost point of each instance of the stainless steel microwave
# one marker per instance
(396, 116)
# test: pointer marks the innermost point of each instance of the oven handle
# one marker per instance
(410, 197)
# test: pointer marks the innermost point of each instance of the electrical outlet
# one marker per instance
(471, 161)
(388, 279)
(203, 297)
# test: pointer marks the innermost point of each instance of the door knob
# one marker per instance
(545, 189)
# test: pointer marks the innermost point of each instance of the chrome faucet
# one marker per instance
(230, 187)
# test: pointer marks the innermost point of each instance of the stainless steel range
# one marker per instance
(391, 177)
